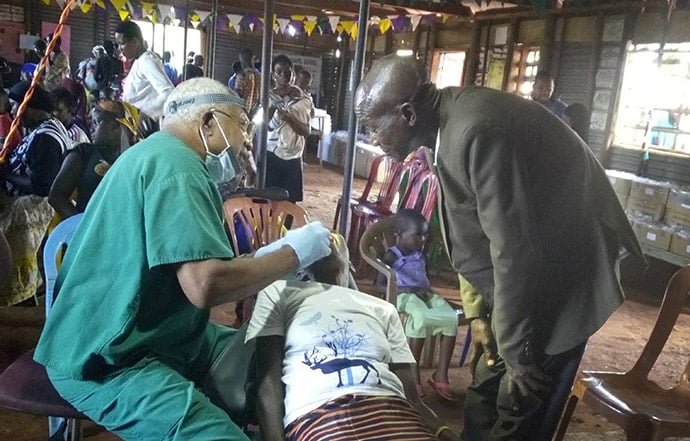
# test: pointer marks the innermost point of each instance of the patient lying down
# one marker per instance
(332, 360)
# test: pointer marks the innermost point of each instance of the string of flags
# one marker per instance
(282, 24)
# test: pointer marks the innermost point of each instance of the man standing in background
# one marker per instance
(146, 85)
(542, 92)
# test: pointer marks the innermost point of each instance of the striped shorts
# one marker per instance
(361, 417)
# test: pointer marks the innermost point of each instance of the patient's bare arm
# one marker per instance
(271, 393)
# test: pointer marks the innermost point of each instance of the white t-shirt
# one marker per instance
(146, 85)
(337, 341)
(282, 139)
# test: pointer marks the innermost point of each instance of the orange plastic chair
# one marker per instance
(384, 166)
(259, 221)
(645, 410)
(401, 183)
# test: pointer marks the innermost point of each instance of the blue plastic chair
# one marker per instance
(54, 249)
(55, 246)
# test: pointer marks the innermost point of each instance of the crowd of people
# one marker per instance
(531, 224)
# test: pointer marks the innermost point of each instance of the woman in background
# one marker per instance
(84, 166)
(287, 130)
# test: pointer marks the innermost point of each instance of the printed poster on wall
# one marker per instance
(494, 78)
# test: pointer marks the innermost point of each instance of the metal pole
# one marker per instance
(349, 168)
(211, 60)
(184, 44)
(266, 55)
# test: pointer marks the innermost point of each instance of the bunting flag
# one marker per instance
(347, 26)
(415, 19)
(173, 15)
(309, 26)
(85, 7)
(118, 4)
(283, 24)
(167, 12)
(203, 15)
(234, 21)
(60, 3)
(385, 24)
(148, 11)
(333, 21)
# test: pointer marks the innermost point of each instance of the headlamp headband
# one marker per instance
(175, 106)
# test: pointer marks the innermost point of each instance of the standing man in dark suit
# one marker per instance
(532, 225)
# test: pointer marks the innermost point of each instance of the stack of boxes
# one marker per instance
(658, 211)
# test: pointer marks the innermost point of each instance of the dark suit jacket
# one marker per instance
(530, 219)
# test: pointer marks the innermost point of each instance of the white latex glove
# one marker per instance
(310, 242)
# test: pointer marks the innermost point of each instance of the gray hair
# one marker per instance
(195, 96)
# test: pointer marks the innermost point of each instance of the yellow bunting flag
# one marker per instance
(354, 31)
(347, 25)
(100, 3)
(309, 27)
(85, 7)
(298, 17)
(119, 4)
(45, 2)
(385, 24)
(147, 8)
(123, 14)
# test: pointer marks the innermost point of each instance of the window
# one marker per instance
(654, 105)
(447, 68)
(524, 69)
(162, 38)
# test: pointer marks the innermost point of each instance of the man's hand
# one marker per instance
(526, 381)
(483, 342)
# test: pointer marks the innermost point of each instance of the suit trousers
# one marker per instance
(491, 414)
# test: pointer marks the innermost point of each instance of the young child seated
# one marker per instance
(427, 313)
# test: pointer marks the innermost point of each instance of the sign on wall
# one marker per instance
(313, 65)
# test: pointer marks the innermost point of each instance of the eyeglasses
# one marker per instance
(242, 120)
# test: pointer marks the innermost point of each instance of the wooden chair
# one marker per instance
(24, 385)
(254, 222)
(376, 239)
(645, 410)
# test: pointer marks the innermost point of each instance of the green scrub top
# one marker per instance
(119, 299)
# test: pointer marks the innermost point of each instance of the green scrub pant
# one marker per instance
(152, 401)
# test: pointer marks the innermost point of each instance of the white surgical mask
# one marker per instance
(224, 166)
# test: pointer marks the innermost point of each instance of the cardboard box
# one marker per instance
(653, 234)
(678, 208)
(648, 198)
(680, 243)
(621, 183)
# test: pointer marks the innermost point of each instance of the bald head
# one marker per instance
(398, 105)
(392, 80)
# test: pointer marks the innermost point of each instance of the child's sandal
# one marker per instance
(442, 389)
